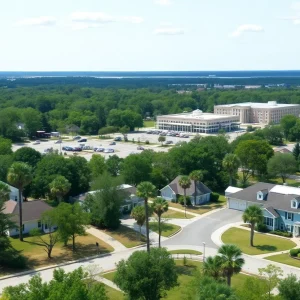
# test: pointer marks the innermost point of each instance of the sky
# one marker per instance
(149, 35)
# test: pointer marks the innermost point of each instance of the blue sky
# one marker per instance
(130, 35)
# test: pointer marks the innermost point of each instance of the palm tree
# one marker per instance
(231, 260)
(212, 267)
(4, 192)
(138, 213)
(59, 187)
(231, 164)
(196, 176)
(146, 190)
(185, 183)
(253, 215)
(20, 175)
(159, 206)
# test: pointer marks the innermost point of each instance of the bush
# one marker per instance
(294, 252)
(181, 200)
(282, 233)
(147, 142)
(173, 201)
(107, 130)
(214, 197)
(298, 255)
(261, 227)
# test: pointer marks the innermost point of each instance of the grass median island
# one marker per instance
(37, 257)
(126, 236)
(284, 258)
(167, 228)
(173, 214)
(262, 243)
(185, 251)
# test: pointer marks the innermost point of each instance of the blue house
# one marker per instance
(280, 204)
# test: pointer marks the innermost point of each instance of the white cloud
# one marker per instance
(295, 6)
(163, 2)
(101, 18)
(296, 22)
(246, 28)
(169, 31)
(39, 21)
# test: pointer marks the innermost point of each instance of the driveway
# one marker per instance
(201, 230)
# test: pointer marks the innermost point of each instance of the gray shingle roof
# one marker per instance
(275, 200)
(202, 189)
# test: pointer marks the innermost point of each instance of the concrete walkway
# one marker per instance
(106, 238)
(107, 282)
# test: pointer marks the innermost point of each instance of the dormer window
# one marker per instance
(294, 204)
(260, 196)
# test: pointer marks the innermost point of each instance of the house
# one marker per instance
(130, 198)
(32, 212)
(282, 150)
(14, 192)
(170, 191)
(231, 190)
(280, 204)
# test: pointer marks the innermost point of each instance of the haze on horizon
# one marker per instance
(150, 35)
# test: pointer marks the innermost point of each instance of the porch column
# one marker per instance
(274, 220)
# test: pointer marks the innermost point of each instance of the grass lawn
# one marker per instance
(167, 228)
(113, 294)
(201, 209)
(185, 276)
(185, 251)
(173, 214)
(128, 237)
(262, 243)
(37, 257)
(284, 258)
(149, 123)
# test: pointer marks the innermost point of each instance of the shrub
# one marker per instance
(147, 142)
(260, 227)
(173, 201)
(181, 200)
(107, 130)
(298, 255)
(282, 233)
(214, 197)
(294, 252)
(184, 261)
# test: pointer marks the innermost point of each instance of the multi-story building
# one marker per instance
(198, 122)
(250, 112)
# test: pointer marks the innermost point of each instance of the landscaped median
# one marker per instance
(173, 214)
(263, 243)
(167, 229)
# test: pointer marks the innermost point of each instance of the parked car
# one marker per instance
(140, 148)
(37, 142)
(109, 151)
(58, 142)
(99, 150)
(87, 148)
(82, 141)
(112, 143)
(77, 137)
(168, 142)
(77, 149)
(117, 139)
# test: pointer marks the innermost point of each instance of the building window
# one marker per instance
(268, 221)
(288, 228)
(46, 226)
(289, 216)
(39, 224)
(294, 204)
(281, 226)
(23, 227)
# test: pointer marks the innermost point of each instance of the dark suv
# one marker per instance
(82, 140)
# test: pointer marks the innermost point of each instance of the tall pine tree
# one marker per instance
(296, 151)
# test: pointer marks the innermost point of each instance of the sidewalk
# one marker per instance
(106, 238)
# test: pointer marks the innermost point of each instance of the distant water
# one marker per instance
(157, 74)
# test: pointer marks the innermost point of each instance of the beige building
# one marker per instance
(197, 121)
(250, 112)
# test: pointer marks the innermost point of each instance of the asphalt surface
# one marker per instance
(201, 230)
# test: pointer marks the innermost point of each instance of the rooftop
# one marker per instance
(270, 104)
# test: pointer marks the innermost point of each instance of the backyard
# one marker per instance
(262, 243)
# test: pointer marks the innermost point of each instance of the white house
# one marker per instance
(202, 192)
(32, 212)
(14, 192)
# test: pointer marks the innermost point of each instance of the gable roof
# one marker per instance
(278, 196)
(177, 189)
(272, 211)
(32, 210)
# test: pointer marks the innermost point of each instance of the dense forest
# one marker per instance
(58, 107)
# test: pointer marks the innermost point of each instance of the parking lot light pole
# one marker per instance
(204, 251)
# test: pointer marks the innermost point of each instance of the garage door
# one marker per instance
(237, 204)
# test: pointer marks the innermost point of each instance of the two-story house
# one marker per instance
(280, 204)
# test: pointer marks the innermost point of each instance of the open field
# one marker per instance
(167, 228)
(126, 236)
(149, 123)
(262, 243)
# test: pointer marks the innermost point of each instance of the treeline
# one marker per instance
(24, 110)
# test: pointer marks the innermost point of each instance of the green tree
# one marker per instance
(89, 125)
(147, 275)
(161, 139)
(196, 176)
(253, 288)
(231, 164)
(71, 221)
(159, 206)
(253, 215)
(28, 155)
(271, 274)
(289, 288)
(97, 165)
(212, 267)
(296, 151)
(32, 120)
(146, 190)
(232, 261)
(113, 164)
(5, 146)
(59, 187)
(124, 131)
(20, 175)
(294, 134)
(287, 122)
(138, 213)
(273, 134)
(5, 162)
(49, 240)
(184, 183)
(283, 165)
(4, 191)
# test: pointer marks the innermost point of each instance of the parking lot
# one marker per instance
(121, 149)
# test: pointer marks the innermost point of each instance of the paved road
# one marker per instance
(201, 230)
